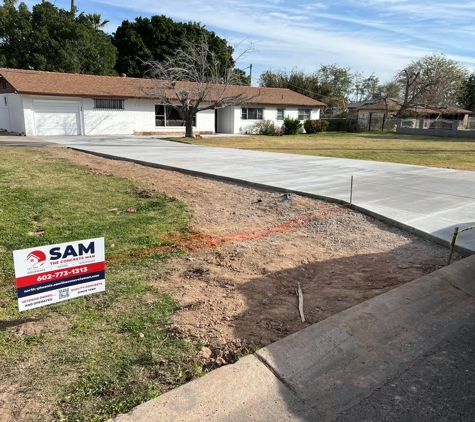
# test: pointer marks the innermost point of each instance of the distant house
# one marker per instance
(376, 108)
(47, 103)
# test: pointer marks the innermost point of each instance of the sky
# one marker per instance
(368, 36)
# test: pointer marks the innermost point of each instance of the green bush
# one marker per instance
(264, 127)
(316, 126)
(291, 126)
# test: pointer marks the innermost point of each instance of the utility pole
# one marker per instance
(73, 6)
(250, 72)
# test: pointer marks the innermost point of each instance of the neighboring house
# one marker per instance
(377, 108)
(48, 103)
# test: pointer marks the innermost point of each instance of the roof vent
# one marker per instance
(123, 75)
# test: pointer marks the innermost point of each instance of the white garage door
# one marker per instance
(54, 117)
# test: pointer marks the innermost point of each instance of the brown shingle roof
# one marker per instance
(394, 105)
(79, 85)
(381, 105)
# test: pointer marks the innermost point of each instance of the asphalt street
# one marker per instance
(439, 386)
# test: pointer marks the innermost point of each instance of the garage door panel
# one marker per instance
(56, 117)
(4, 118)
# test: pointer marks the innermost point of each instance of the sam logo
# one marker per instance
(36, 259)
(71, 251)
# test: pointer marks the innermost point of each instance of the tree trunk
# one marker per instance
(189, 125)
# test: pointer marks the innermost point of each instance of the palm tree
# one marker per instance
(96, 20)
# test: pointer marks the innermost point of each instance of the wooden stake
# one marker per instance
(351, 191)
(452, 244)
(300, 295)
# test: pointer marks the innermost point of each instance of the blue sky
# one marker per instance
(379, 36)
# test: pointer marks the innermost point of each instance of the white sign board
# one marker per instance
(53, 273)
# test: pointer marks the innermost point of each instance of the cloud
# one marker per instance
(314, 6)
(375, 35)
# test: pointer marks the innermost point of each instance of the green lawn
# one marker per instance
(92, 357)
(376, 146)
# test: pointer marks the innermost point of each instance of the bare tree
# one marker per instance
(194, 79)
(432, 81)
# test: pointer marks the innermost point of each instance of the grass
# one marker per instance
(376, 146)
(92, 357)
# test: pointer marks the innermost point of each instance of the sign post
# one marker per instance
(53, 273)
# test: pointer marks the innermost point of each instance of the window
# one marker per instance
(280, 114)
(304, 114)
(3, 82)
(108, 104)
(168, 116)
(252, 113)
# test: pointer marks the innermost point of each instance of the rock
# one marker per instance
(265, 301)
(220, 361)
(304, 262)
(205, 352)
(141, 335)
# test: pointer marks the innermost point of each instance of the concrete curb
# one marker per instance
(323, 370)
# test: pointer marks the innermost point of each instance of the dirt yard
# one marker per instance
(240, 294)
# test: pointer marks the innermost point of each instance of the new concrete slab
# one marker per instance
(399, 193)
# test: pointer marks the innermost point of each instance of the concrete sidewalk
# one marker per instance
(430, 202)
(324, 371)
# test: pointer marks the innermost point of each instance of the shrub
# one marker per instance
(291, 126)
(264, 127)
(315, 126)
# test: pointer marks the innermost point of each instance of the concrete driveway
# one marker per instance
(427, 201)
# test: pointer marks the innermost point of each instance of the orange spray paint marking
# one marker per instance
(192, 241)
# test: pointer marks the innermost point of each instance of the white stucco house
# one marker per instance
(47, 103)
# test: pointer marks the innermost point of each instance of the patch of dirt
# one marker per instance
(239, 295)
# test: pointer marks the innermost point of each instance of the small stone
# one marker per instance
(220, 361)
(265, 301)
(141, 335)
(205, 352)
(304, 262)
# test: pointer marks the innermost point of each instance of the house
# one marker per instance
(48, 103)
(376, 108)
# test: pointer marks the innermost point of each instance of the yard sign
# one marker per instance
(53, 273)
